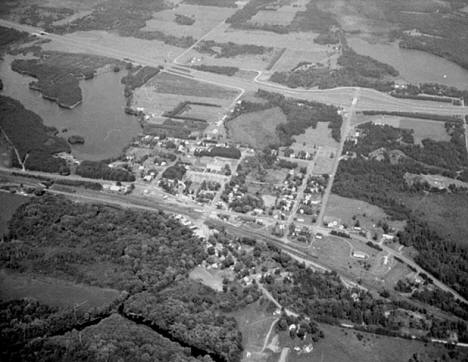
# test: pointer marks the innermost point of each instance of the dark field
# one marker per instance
(9, 203)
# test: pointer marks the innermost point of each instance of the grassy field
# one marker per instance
(342, 345)
(173, 84)
(422, 128)
(53, 291)
(9, 202)
(209, 278)
(257, 129)
(206, 18)
(343, 209)
(324, 161)
(254, 323)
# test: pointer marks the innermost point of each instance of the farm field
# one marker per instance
(53, 291)
(257, 129)
(343, 209)
(343, 345)
(206, 18)
(151, 49)
(10, 202)
(422, 128)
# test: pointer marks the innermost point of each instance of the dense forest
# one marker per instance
(36, 144)
(90, 235)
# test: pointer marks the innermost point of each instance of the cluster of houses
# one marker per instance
(288, 192)
(312, 194)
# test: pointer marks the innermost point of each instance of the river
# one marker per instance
(414, 66)
(100, 118)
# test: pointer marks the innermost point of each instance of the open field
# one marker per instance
(150, 49)
(173, 84)
(9, 202)
(397, 271)
(254, 323)
(343, 345)
(342, 209)
(319, 136)
(53, 291)
(257, 129)
(210, 278)
(422, 128)
(324, 161)
(206, 18)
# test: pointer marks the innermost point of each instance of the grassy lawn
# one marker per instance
(257, 129)
(53, 291)
(10, 202)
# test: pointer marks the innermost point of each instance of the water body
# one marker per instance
(414, 66)
(100, 118)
